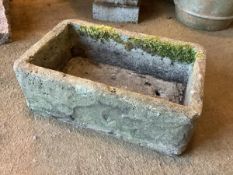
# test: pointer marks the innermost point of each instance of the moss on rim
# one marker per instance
(101, 33)
(154, 46)
(176, 52)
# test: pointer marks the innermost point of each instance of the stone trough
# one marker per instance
(4, 23)
(143, 89)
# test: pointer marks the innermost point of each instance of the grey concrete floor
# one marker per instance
(34, 145)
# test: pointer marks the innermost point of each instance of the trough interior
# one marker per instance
(111, 63)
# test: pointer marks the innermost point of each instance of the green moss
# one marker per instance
(154, 46)
(101, 33)
(176, 52)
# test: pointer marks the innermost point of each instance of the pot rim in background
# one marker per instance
(202, 21)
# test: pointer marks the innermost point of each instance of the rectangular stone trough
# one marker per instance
(143, 89)
(4, 23)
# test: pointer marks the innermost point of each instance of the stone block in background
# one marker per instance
(4, 23)
(115, 12)
(122, 2)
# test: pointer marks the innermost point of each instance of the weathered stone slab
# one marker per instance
(4, 25)
(121, 2)
(115, 109)
(115, 13)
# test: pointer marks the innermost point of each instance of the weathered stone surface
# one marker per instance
(4, 25)
(115, 13)
(115, 76)
(142, 119)
(121, 2)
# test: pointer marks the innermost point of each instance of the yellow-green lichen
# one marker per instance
(101, 33)
(200, 55)
(176, 52)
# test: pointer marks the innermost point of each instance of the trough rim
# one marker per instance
(192, 111)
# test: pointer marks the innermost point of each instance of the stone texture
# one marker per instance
(115, 13)
(4, 23)
(117, 76)
(121, 2)
(152, 122)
